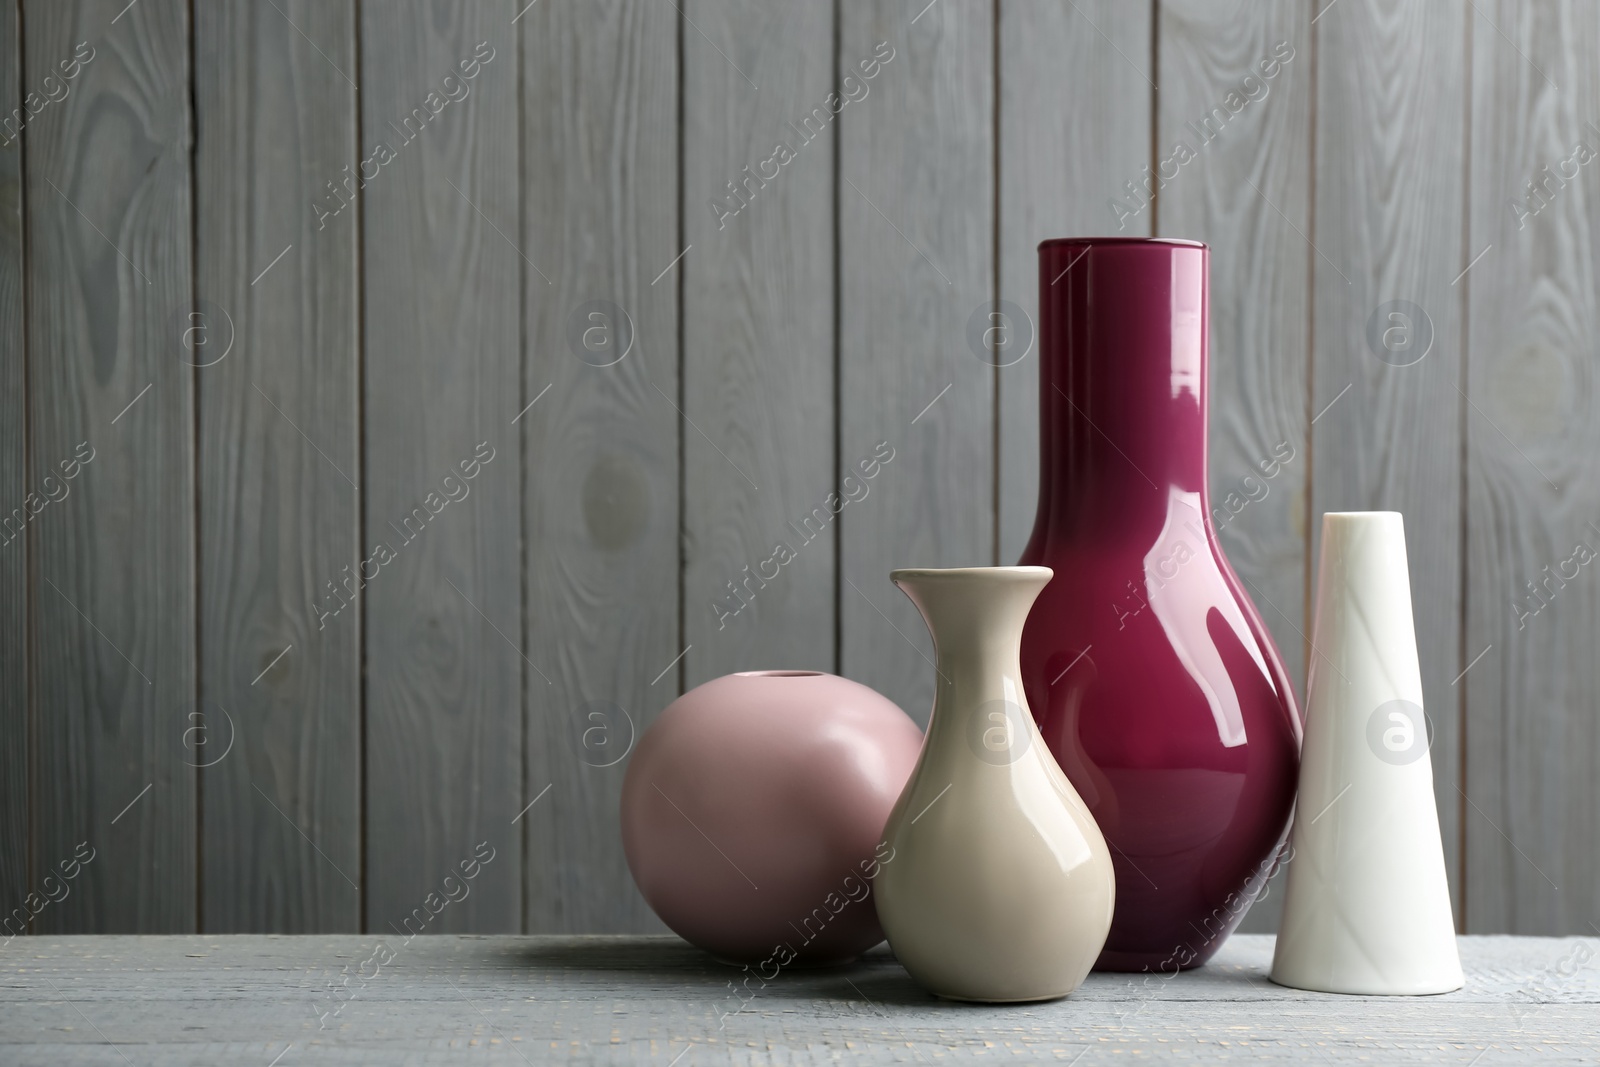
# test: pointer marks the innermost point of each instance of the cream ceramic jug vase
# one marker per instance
(999, 885)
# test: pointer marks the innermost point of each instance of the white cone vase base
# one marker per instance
(999, 888)
(1367, 905)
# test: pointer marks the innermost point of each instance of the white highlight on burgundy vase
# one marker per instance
(1367, 906)
(999, 887)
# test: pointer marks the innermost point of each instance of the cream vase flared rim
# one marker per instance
(1016, 573)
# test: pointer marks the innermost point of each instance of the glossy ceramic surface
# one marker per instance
(753, 810)
(1154, 682)
(997, 885)
(1367, 906)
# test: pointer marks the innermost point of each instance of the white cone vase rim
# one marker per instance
(1367, 905)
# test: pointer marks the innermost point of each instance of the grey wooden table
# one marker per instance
(653, 1000)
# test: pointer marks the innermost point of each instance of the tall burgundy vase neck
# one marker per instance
(1122, 385)
(1153, 680)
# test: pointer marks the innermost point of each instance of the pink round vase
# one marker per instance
(753, 811)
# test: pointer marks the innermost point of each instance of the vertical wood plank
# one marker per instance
(15, 719)
(1387, 219)
(919, 148)
(441, 386)
(280, 683)
(1075, 113)
(758, 335)
(108, 204)
(1533, 812)
(1250, 136)
(601, 444)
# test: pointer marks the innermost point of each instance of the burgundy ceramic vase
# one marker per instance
(1149, 671)
(753, 813)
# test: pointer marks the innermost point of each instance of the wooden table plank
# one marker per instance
(512, 1000)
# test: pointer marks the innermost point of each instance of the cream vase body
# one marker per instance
(1366, 908)
(999, 885)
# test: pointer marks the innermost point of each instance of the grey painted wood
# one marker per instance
(1532, 500)
(821, 311)
(759, 389)
(1076, 84)
(600, 84)
(520, 1000)
(108, 205)
(441, 385)
(1387, 214)
(1253, 161)
(275, 118)
(919, 143)
(15, 482)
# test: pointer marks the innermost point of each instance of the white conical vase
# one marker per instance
(1367, 907)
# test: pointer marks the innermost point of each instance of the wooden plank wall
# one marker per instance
(279, 726)
(1248, 193)
(445, 365)
(1388, 227)
(15, 798)
(1532, 738)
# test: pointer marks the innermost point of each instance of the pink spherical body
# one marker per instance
(753, 811)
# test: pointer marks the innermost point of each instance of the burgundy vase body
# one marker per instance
(1149, 671)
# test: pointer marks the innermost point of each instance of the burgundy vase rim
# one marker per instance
(1170, 242)
(780, 674)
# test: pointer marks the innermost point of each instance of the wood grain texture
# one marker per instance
(919, 147)
(601, 444)
(1253, 161)
(15, 717)
(441, 386)
(759, 389)
(275, 118)
(519, 1001)
(1387, 214)
(108, 204)
(1533, 506)
(1076, 85)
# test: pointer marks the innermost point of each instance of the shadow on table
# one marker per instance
(875, 977)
